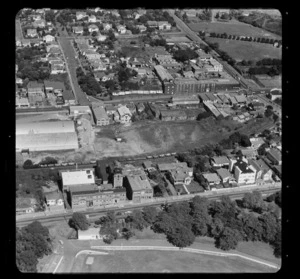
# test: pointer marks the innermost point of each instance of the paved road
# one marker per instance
(155, 202)
(19, 33)
(276, 108)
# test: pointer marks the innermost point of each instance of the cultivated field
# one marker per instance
(232, 28)
(164, 262)
(240, 50)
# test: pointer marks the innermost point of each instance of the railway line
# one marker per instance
(100, 212)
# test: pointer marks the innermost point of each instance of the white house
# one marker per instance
(101, 38)
(49, 38)
(164, 25)
(78, 30)
(92, 18)
(121, 29)
(80, 15)
(107, 26)
(142, 27)
(93, 28)
(244, 173)
(32, 33)
(90, 233)
(125, 114)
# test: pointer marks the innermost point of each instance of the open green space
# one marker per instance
(165, 261)
(236, 28)
(242, 50)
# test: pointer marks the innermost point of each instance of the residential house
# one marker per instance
(256, 142)
(19, 81)
(244, 173)
(57, 69)
(131, 107)
(142, 27)
(98, 75)
(152, 24)
(164, 25)
(35, 89)
(54, 86)
(121, 29)
(92, 18)
(125, 114)
(93, 28)
(220, 161)
(148, 166)
(249, 153)
(101, 38)
(22, 102)
(76, 177)
(39, 23)
(241, 99)
(77, 30)
(262, 170)
(32, 33)
(25, 205)
(211, 178)
(180, 176)
(69, 97)
(110, 110)
(49, 38)
(274, 155)
(172, 114)
(80, 15)
(54, 201)
(101, 117)
(225, 175)
(107, 26)
(76, 111)
(140, 107)
(97, 65)
(52, 45)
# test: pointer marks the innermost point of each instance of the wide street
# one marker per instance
(71, 65)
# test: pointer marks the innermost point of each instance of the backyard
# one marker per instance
(242, 50)
(232, 28)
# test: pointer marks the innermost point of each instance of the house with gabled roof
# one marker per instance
(219, 161)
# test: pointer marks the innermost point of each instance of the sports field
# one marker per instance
(164, 262)
(240, 50)
(232, 28)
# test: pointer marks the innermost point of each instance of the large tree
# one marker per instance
(149, 214)
(228, 239)
(79, 221)
(136, 220)
(253, 200)
(181, 237)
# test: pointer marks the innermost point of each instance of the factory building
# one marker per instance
(46, 136)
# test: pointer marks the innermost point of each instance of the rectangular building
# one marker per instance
(101, 117)
(76, 177)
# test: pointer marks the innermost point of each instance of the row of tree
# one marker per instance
(32, 243)
(263, 70)
(244, 38)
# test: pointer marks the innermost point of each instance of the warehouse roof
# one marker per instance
(45, 127)
(170, 166)
(163, 73)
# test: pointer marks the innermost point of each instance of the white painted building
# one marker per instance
(125, 114)
(244, 173)
(77, 177)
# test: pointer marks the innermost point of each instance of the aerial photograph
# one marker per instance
(148, 140)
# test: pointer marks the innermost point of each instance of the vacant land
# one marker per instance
(232, 28)
(242, 50)
(165, 261)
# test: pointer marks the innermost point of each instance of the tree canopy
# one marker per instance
(79, 221)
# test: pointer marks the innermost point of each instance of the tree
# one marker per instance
(216, 227)
(252, 200)
(262, 149)
(269, 225)
(109, 233)
(149, 215)
(136, 220)
(228, 239)
(251, 226)
(245, 141)
(127, 233)
(79, 221)
(28, 164)
(26, 261)
(181, 237)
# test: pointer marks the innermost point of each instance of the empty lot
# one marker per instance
(242, 50)
(164, 262)
(232, 28)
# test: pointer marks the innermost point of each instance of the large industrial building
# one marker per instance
(46, 136)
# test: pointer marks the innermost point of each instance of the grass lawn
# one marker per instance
(164, 261)
(240, 50)
(236, 28)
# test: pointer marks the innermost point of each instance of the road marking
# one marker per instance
(58, 264)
